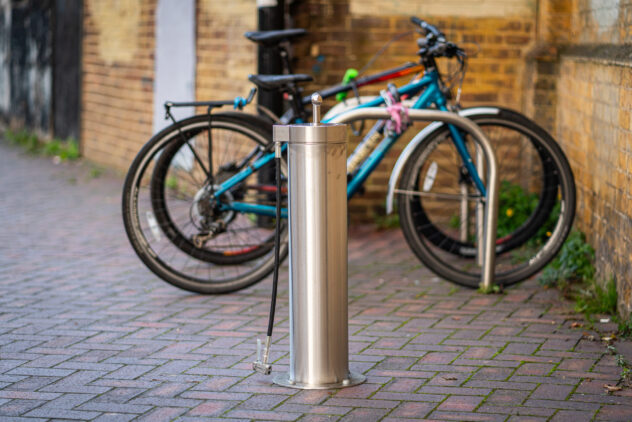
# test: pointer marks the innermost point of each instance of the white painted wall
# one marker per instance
(175, 58)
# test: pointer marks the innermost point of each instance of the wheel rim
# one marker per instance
(446, 249)
(172, 258)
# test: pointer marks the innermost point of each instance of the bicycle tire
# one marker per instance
(429, 242)
(147, 172)
(159, 188)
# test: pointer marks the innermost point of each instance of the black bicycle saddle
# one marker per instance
(270, 38)
(274, 82)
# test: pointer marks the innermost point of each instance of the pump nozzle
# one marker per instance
(261, 365)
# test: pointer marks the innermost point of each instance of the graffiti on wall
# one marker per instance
(26, 54)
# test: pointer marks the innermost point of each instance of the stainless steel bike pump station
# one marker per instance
(317, 201)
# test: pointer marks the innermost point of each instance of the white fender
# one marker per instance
(418, 139)
(352, 102)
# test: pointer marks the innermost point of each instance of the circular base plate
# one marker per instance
(353, 379)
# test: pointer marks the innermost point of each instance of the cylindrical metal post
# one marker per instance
(480, 210)
(319, 351)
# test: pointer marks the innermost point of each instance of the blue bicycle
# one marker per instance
(198, 204)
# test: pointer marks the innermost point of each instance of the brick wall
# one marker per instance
(117, 85)
(118, 62)
(225, 57)
(346, 33)
(592, 122)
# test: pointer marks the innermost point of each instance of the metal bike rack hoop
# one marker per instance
(491, 203)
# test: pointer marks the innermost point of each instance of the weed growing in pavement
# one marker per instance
(625, 377)
(625, 327)
(62, 150)
(95, 172)
(385, 221)
(591, 298)
(494, 289)
(573, 272)
(573, 264)
(626, 371)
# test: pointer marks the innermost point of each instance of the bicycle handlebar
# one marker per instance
(426, 26)
(435, 43)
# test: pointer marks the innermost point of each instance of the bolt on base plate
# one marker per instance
(353, 379)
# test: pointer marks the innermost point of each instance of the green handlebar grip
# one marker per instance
(349, 75)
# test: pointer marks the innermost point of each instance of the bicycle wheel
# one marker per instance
(176, 224)
(437, 202)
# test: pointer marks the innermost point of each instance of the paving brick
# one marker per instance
(517, 410)
(403, 385)
(456, 390)
(262, 402)
(32, 383)
(396, 363)
(264, 415)
(27, 395)
(552, 392)
(507, 397)
(491, 373)
(129, 372)
(532, 369)
(364, 415)
(18, 407)
(463, 416)
(114, 407)
(160, 414)
(615, 413)
(115, 417)
(119, 395)
(559, 404)
(414, 410)
(361, 391)
(460, 403)
(478, 353)
(62, 414)
(572, 416)
(211, 408)
(307, 409)
(319, 418)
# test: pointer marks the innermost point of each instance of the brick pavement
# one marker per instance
(86, 332)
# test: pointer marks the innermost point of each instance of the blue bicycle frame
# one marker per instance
(431, 94)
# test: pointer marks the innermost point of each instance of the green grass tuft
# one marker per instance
(63, 149)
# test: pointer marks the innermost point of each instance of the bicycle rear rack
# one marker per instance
(488, 252)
